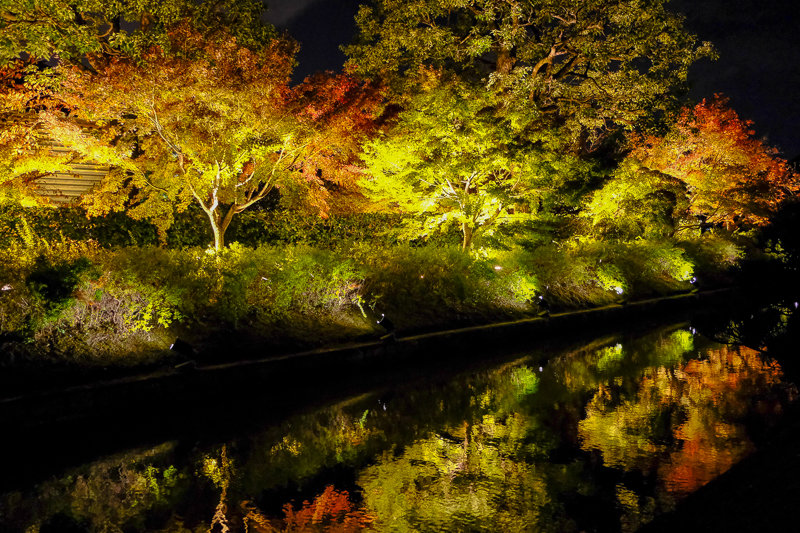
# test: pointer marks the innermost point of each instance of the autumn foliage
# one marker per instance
(331, 511)
(731, 177)
(339, 112)
(709, 397)
(209, 121)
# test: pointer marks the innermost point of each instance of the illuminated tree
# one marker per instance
(707, 170)
(211, 122)
(451, 159)
(588, 66)
(731, 178)
(206, 125)
(70, 29)
(544, 90)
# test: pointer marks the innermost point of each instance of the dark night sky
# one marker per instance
(758, 43)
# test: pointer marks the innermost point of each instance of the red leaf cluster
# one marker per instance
(731, 177)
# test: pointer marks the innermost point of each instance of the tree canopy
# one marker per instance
(707, 170)
(592, 65)
(70, 29)
(452, 159)
(211, 122)
(467, 114)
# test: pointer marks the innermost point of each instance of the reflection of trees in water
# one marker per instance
(496, 450)
(103, 496)
(480, 475)
(332, 511)
(684, 425)
(684, 422)
(757, 326)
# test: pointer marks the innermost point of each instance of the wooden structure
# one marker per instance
(66, 188)
(61, 188)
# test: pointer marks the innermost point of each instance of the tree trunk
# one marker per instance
(219, 225)
(219, 232)
(469, 233)
(505, 61)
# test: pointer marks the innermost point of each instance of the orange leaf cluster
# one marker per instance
(332, 511)
(731, 177)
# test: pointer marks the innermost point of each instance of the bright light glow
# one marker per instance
(619, 290)
(8, 287)
(498, 267)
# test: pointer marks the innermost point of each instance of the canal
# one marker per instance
(599, 434)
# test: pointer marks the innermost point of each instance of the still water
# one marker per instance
(603, 436)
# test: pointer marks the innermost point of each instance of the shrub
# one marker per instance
(568, 276)
(712, 255)
(652, 267)
(424, 286)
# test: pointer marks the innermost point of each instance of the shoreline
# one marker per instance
(175, 388)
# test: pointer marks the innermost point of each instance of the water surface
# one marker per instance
(599, 438)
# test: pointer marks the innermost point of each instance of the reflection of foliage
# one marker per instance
(636, 510)
(492, 450)
(460, 477)
(587, 370)
(757, 328)
(331, 512)
(219, 469)
(113, 494)
(684, 421)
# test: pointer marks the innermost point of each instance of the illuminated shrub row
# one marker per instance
(273, 225)
(72, 299)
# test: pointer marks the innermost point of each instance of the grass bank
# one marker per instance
(75, 303)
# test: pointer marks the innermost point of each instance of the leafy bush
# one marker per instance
(588, 272)
(568, 276)
(54, 283)
(73, 297)
(429, 285)
(712, 255)
(652, 267)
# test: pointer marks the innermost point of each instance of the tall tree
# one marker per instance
(37, 35)
(210, 122)
(590, 66)
(731, 177)
(204, 125)
(70, 29)
(452, 159)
